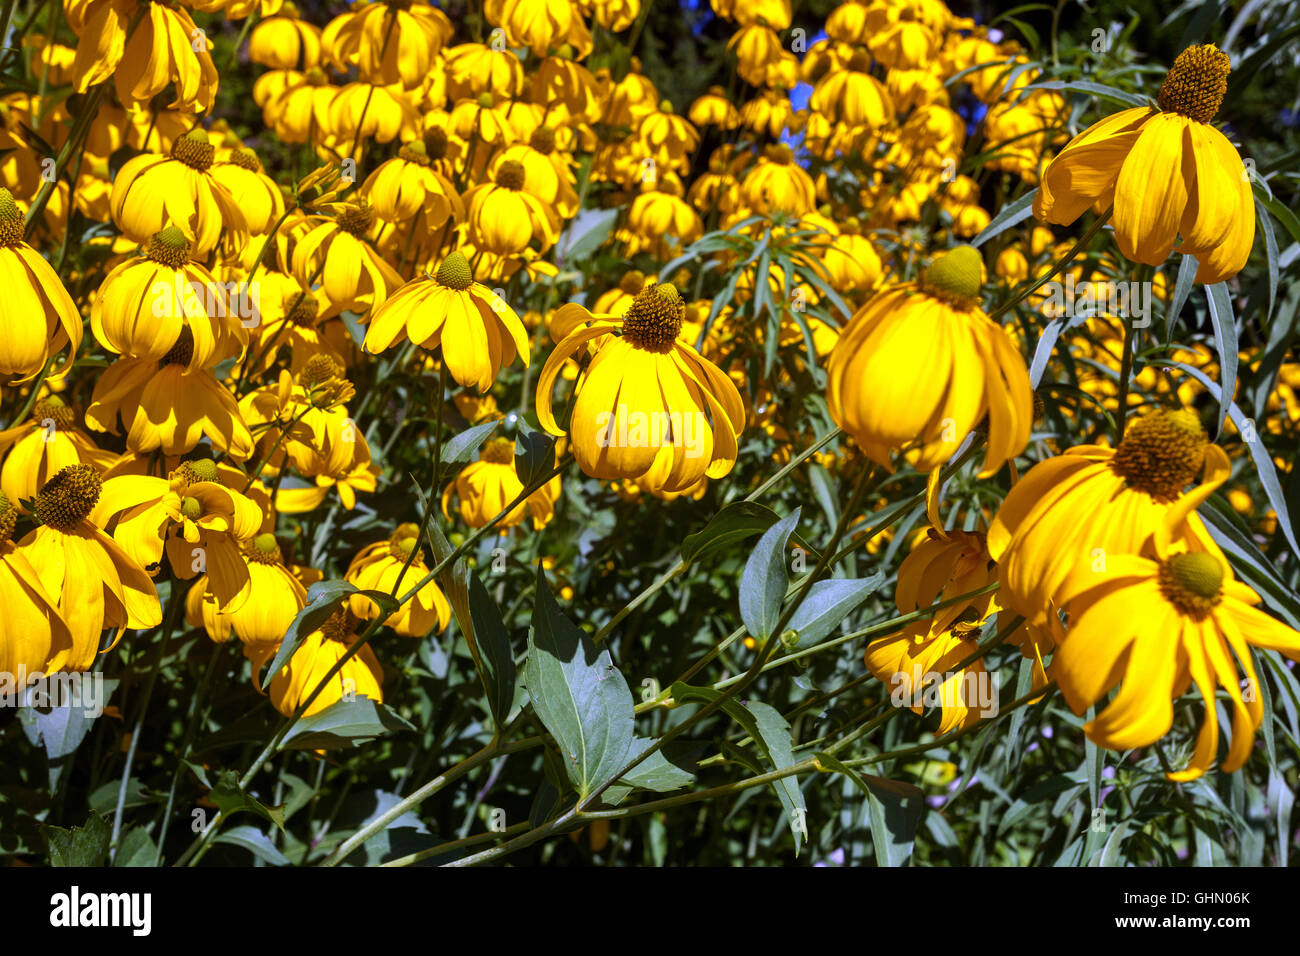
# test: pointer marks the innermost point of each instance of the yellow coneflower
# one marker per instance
(38, 318)
(97, 583)
(853, 96)
(1167, 172)
(145, 304)
(502, 218)
(335, 251)
(255, 193)
(164, 49)
(1037, 536)
(1155, 623)
(152, 192)
(409, 184)
(285, 41)
(41, 447)
(920, 365)
(202, 524)
(262, 614)
(478, 333)
(32, 629)
(485, 487)
(776, 185)
(320, 650)
(650, 407)
(164, 405)
(377, 568)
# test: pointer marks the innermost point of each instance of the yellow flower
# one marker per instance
(32, 630)
(777, 185)
(408, 184)
(1167, 172)
(537, 24)
(476, 330)
(1038, 538)
(152, 192)
(853, 96)
(144, 48)
(320, 650)
(43, 446)
(145, 305)
(378, 567)
(285, 41)
(503, 218)
(255, 193)
(920, 365)
(266, 608)
(164, 405)
(38, 317)
(650, 407)
(335, 252)
(297, 108)
(390, 43)
(485, 487)
(1155, 623)
(714, 109)
(201, 523)
(97, 583)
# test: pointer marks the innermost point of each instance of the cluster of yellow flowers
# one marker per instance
(231, 313)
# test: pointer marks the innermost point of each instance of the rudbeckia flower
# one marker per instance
(144, 48)
(475, 328)
(409, 184)
(200, 522)
(920, 365)
(536, 24)
(502, 218)
(43, 446)
(152, 192)
(255, 193)
(165, 405)
(853, 96)
(285, 41)
(1155, 623)
(32, 630)
(485, 487)
(776, 185)
(38, 317)
(1038, 539)
(263, 612)
(97, 583)
(390, 43)
(335, 252)
(649, 407)
(146, 304)
(320, 650)
(1167, 172)
(378, 567)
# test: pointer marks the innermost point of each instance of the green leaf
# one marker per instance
(1013, 213)
(344, 724)
(80, 846)
(534, 456)
(771, 734)
(1225, 342)
(1099, 90)
(255, 842)
(595, 227)
(1182, 289)
(230, 799)
(494, 658)
(662, 771)
(136, 848)
(764, 583)
(463, 446)
(828, 603)
(579, 696)
(1283, 214)
(323, 600)
(736, 522)
(895, 808)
